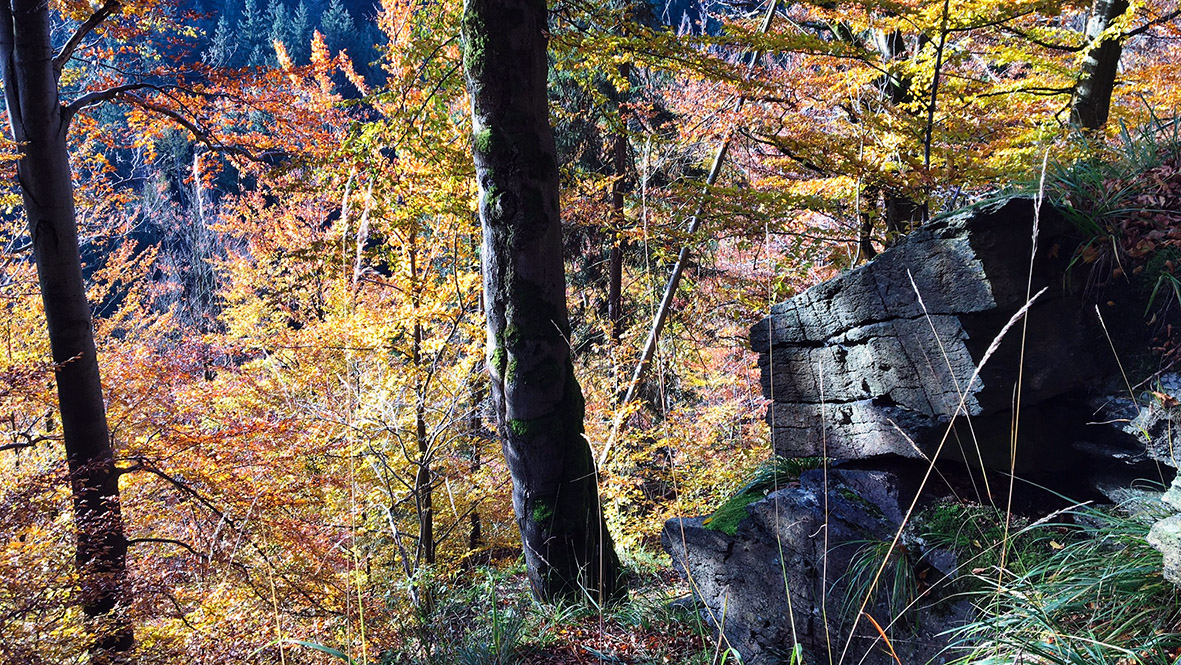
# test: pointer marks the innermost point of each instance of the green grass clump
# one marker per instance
(977, 535)
(768, 477)
(897, 587)
(1099, 599)
(1158, 277)
(1101, 189)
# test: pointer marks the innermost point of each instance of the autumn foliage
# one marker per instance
(283, 264)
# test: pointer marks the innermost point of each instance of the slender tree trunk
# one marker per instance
(903, 214)
(477, 392)
(475, 429)
(618, 247)
(39, 126)
(869, 208)
(539, 405)
(892, 46)
(423, 479)
(674, 279)
(1096, 84)
(619, 243)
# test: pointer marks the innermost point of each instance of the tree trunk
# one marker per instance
(619, 243)
(39, 126)
(1092, 93)
(539, 405)
(902, 215)
(424, 477)
(869, 208)
(892, 46)
(475, 430)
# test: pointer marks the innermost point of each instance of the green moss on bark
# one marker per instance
(499, 358)
(483, 141)
(543, 511)
(522, 428)
(475, 43)
(566, 419)
(512, 333)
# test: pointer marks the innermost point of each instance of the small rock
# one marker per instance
(1165, 536)
(1172, 497)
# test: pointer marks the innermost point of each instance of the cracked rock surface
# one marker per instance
(804, 539)
(878, 360)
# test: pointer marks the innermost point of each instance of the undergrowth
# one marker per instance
(898, 587)
(489, 617)
(1105, 189)
(1125, 198)
(1099, 598)
(976, 534)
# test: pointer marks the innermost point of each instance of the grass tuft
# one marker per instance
(1098, 599)
(771, 475)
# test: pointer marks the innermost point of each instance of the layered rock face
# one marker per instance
(922, 354)
(879, 360)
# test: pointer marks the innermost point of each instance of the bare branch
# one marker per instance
(170, 541)
(1037, 91)
(1042, 43)
(989, 24)
(781, 145)
(99, 96)
(1153, 23)
(128, 93)
(142, 464)
(15, 446)
(59, 61)
(29, 440)
(241, 567)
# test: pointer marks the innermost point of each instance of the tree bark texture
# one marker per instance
(1096, 84)
(39, 126)
(539, 405)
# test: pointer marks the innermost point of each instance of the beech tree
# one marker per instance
(539, 403)
(1096, 83)
(39, 123)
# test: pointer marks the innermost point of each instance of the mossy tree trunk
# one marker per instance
(539, 405)
(1096, 83)
(39, 125)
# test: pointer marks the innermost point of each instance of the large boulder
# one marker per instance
(879, 360)
(1137, 425)
(806, 539)
(922, 356)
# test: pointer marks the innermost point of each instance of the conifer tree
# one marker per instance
(300, 34)
(337, 26)
(279, 26)
(222, 48)
(253, 31)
